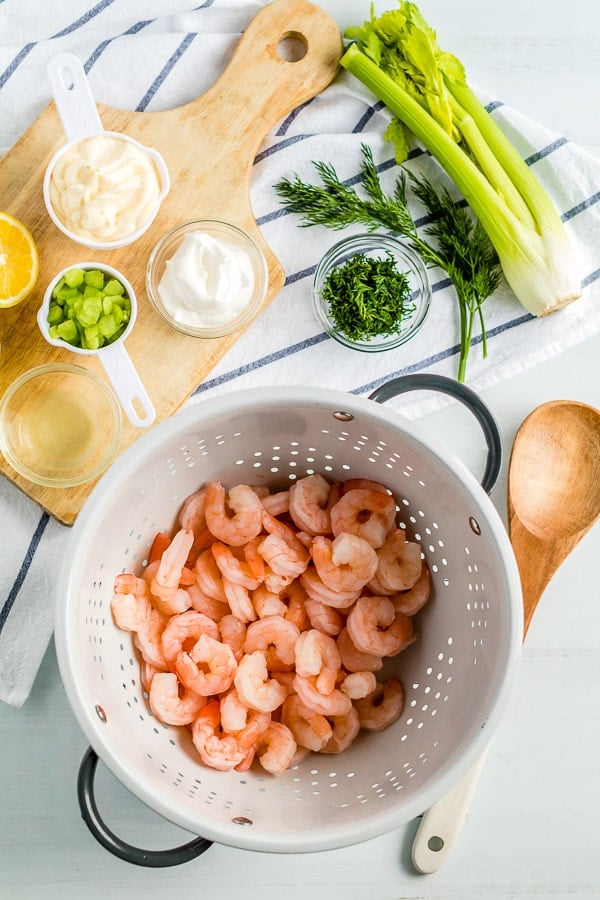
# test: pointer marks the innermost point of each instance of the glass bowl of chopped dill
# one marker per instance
(371, 292)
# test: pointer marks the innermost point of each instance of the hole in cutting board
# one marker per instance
(292, 47)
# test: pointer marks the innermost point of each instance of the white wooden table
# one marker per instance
(532, 827)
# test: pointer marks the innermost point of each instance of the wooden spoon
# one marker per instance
(553, 501)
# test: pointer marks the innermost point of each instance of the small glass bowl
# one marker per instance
(375, 246)
(60, 425)
(168, 245)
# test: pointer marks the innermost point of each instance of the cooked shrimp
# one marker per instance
(233, 633)
(399, 562)
(375, 627)
(381, 707)
(234, 715)
(208, 668)
(130, 605)
(296, 608)
(254, 561)
(368, 514)
(182, 631)
(276, 583)
(324, 618)
(364, 484)
(334, 704)
(216, 749)
(358, 684)
(246, 521)
(281, 549)
(148, 639)
(169, 704)
(191, 514)
(353, 659)
(167, 596)
(310, 729)
(308, 502)
(285, 679)
(317, 655)
(318, 590)
(345, 729)
(255, 689)
(147, 673)
(208, 576)
(150, 571)
(345, 564)
(276, 748)
(277, 504)
(408, 603)
(266, 603)
(201, 602)
(233, 569)
(277, 638)
(240, 601)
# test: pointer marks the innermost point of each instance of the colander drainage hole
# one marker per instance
(242, 820)
(435, 843)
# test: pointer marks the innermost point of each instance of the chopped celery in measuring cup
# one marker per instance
(88, 309)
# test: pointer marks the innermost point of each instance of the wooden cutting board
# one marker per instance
(209, 146)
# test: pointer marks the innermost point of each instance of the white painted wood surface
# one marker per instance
(532, 828)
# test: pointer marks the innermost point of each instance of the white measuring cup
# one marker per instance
(80, 119)
(114, 357)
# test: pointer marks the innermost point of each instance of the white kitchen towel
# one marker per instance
(162, 53)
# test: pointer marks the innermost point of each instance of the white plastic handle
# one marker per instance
(127, 384)
(442, 822)
(73, 97)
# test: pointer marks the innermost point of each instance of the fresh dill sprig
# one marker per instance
(462, 248)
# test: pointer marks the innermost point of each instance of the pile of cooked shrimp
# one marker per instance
(262, 621)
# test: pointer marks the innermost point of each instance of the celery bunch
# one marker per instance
(396, 55)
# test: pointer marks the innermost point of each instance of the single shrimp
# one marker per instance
(150, 571)
(233, 569)
(277, 504)
(308, 505)
(345, 729)
(334, 704)
(276, 583)
(276, 748)
(358, 684)
(255, 689)
(318, 590)
(324, 618)
(408, 603)
(240, 601)
(277, 638)
(147, 673)
(234, 715)
(399, 562)
(130, 605)
(208, 576)
(201, 602)
(368, 514)
(310, 729)
(267, 603)
(216, 749)
(345, 564)
(167, 596)
(296, 606)
(246, 521)
(171, 705)
(317, 655)
(254, 561)
(375, 627)
(281, 549)
(233, 633)
(381, 707)
(148, 639)
(191, 514)
(353, 659)
(208, 668)
(182, 631)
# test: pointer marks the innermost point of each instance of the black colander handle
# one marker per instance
(474, 403)
(115, 845)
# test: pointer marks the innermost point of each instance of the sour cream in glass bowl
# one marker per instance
(207, 278)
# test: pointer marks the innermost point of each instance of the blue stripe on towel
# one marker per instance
(27, 560)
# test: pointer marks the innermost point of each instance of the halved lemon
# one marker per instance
(19, 262)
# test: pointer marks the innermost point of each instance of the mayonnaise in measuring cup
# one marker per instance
(207, 282)
(104, 188)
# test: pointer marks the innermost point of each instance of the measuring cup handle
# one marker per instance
(426, 382)
(115, 845)
(73, 97)
(127, 384)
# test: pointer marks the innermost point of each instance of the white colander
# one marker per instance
(456, 675)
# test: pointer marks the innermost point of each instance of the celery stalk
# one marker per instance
(397, 57)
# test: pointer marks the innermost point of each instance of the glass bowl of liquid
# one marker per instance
(60, 425)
